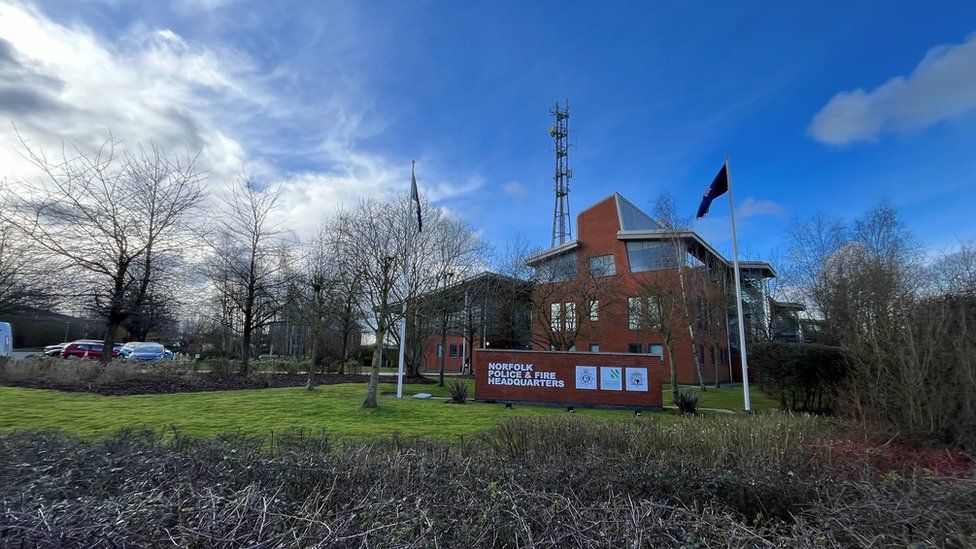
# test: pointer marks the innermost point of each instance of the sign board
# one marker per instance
(619, 380)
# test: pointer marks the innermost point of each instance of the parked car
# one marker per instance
(129, 347)
(6, 339)
(54, 350)
(150, 351)
(85, 349)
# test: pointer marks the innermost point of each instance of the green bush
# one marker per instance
(459, 391)
(687, 402)
(802, 376)
(222, 367)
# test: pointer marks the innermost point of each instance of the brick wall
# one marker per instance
(451, 364)
(550, 369)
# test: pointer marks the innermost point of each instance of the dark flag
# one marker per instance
(415, 196)
(719, 186)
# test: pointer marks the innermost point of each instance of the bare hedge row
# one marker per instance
(555, 482)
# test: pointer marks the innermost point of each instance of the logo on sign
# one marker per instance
(586, 377)
(637, 379)
(611, 378)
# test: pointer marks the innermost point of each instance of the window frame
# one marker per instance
(607, 266)
(569, 316)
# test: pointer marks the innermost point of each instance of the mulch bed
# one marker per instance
(204, 382)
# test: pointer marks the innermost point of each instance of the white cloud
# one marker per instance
(61, 82)
(751, 207)
(514, 189)
(942, 87)
(64, 83)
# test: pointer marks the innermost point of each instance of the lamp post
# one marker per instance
(440, 372)
(67, 324)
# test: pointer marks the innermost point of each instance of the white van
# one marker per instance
(6, 339)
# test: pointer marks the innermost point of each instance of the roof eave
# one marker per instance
(661, 234)
(533, 259)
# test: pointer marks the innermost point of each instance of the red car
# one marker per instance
(85, 349)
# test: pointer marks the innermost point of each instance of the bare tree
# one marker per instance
(317, 280)
(667, 213)
(660, 308)
(372, 237)
(564, 295)
(906, 329)
(23, 280)
(248, 265)
(109, 218)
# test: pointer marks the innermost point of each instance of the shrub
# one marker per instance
(284, 365)
(459, 391)
(222, 367)
(802, 376)
(58, 371)
(353, 366)
(687, 402)
(557, 481)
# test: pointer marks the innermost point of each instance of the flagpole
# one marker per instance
(406, 286)
(738, 295)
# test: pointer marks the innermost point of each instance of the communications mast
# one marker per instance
(562, 229)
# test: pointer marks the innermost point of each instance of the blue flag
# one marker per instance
(719, 186)
(415, 196)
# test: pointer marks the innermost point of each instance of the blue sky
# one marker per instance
(826, 107)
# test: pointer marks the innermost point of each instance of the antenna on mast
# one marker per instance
(562, 229)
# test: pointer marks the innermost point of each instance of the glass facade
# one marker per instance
(646, 255)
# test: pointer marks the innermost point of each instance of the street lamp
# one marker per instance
(440, 374)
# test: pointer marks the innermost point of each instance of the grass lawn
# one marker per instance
(334, 408)
(728, 397)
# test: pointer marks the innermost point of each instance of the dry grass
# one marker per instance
(553, 482)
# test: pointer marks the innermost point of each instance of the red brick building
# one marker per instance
(486, 311)
(608, 290)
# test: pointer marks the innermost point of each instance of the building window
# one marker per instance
(594, 348)
(656, 350)
(559, 269)
(556, 316)
(454, 350)
(602, 265)
(440, 350)
(704, 315)
(654, 311)
(572, 348)
(649, 255)
(570, 309)
(634, 347)
(711, 351)
(595, 310)
(634, 313)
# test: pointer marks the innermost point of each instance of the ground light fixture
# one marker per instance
(571, 409)
(508, 405)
